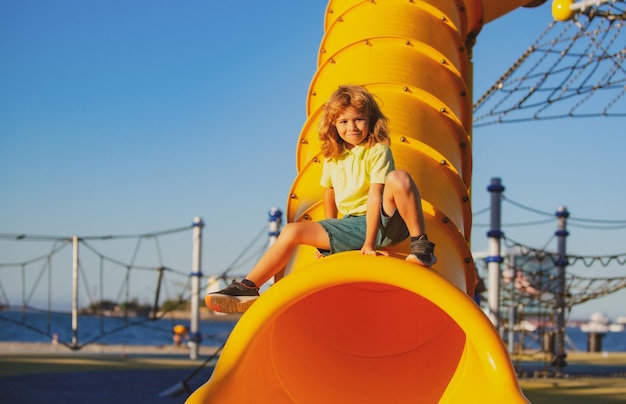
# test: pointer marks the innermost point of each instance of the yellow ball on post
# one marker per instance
(180, 329)
(562, 10)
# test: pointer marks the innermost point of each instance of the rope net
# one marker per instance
(128, 286)
(532, 278)
(573, 70)
(532, 273)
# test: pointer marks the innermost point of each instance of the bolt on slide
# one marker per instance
(359, 328)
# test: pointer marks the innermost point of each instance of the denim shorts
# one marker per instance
(348, 233)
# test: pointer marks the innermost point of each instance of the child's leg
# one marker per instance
(278, 255)
(238, 296)
(401, 193)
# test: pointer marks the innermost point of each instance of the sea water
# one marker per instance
(16, 326)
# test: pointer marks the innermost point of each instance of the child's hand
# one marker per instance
(372, 251)
(365, 250)
(317, 255)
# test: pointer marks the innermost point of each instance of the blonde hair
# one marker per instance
(359, 98)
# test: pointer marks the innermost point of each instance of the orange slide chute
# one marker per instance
(356, 328)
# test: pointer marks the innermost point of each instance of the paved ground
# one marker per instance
(36, 373)
(41, 373)
(96, 387)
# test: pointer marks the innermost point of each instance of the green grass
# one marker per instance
(25, 364)
(575, 391)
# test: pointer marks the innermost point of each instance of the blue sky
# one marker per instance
(132, 117)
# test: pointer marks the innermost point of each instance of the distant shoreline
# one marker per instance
(204, 314)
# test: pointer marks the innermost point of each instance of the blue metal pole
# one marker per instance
(275, 221)
(275, 216)
(559, 304)
(195, 337)
(494, 259)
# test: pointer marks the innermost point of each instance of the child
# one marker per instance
(380, 206)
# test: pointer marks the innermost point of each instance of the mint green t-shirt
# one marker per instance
(351, 174)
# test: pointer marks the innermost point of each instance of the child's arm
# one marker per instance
(330, 206)
(372, 217)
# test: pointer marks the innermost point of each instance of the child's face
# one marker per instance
(352, 126)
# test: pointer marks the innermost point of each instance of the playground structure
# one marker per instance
(308, 150)
(359, 328)
(374, 344)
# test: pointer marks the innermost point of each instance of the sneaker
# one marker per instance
(235, 298)
(422, 252)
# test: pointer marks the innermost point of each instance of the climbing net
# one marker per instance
(573, 70)
(533, 275)
(116, 293)
(532, 271)
(530, 278)
(125, 282)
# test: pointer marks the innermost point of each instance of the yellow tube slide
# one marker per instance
(355, 328)
(362, 329)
